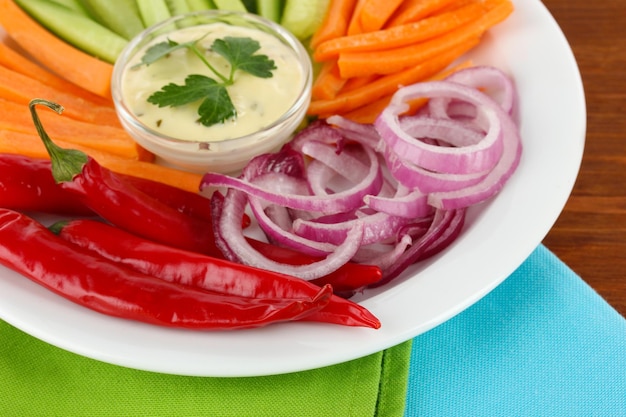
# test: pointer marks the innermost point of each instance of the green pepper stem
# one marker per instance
(58, 226)
(66, 163)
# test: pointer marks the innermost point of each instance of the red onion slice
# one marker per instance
(376, 228)
(492, 81)
(230, 232)
(405, 203)
(390, 193)
(416, 177)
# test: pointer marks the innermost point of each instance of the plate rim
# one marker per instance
(273, 362)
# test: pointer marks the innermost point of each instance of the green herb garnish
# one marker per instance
(215, 103)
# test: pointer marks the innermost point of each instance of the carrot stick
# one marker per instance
(388, 84)
(15, 61)
(398, 36)
(17, 117)
(354, 64)
(335, 21)
(358, 82)
(63, 59)
(369, 112)
(21, 89)
(375, 13)
(31, 145)
(412, 11)
(354, 25)
(328, 82)
(457, 4)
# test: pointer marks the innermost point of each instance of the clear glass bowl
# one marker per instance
(228, 155)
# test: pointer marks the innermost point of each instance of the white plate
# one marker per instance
(497, 239)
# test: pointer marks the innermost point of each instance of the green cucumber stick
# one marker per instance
(303, 17)
(177, 7)
(153, 11)
(199, 5)
(233, 5)
(121, 16)
(76, 29)
(75, 5)
(270, 9)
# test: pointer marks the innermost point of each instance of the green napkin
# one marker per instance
(38, 379)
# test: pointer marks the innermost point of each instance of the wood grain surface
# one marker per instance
(590, 234)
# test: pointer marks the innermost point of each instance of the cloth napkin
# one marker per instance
(542, 343)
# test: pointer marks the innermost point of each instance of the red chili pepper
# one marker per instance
(191, 204)
(119, 202)
(201, 271)
(113, 289)
(122, 204)
(26, 184)
(346, 280)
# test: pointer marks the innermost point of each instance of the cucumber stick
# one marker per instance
(153, 11)
(303, 17)
(75, 5)
(177, 7)
(75, 28)
(234, 5)
(270, 9)
(121, 16)
(199, 5)
(250, 6)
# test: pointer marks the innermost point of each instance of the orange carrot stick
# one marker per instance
(335, 21)
(412, 11)
(31, 145)
(388, 84)
(15, 61)
(374, 13)
(354, 25)
(369, 112)
(63, 59)
(398, 36)
(354, 64)
(21, 89)
(17, 117)
(328, 82)
(358, 82)
(457, 4)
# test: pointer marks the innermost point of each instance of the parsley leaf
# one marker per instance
(239, 52)
(215, 103)
(161, 50)
(216, 106)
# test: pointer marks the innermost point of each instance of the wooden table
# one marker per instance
(590, 234)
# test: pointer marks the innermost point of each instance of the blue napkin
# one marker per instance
(543, 343)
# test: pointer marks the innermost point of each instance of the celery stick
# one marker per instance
(199, 5)
(153, 11)
(234, 5)
(121, 16)
(270, 9)
(76, 29)
(303, 17)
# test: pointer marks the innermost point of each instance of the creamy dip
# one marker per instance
(258, 101)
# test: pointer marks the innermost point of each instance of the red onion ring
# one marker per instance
(390, 193)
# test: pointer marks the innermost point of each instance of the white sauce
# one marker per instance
(258, 101)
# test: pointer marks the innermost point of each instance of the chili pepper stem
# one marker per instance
(66, 163)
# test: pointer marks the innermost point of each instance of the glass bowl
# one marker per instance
(184, 145)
